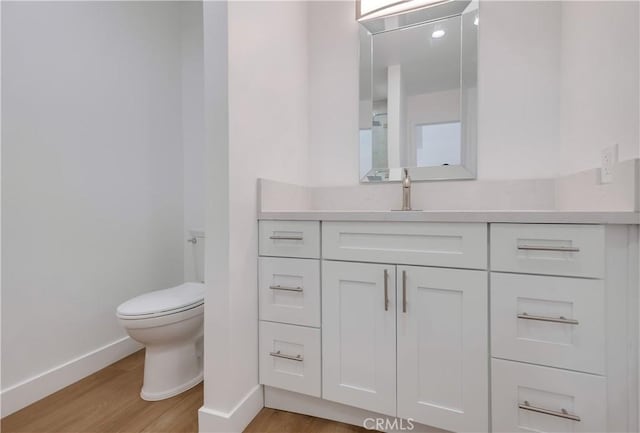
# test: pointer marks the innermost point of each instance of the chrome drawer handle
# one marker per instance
(404, 291)
(386, 290)
(560, 319)
(286, 289)
(561, 249)
(562, 414)
(290, 357)
(286, 238)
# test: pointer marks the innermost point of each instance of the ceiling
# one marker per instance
(428, 64)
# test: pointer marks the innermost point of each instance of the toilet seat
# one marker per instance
(164, 302)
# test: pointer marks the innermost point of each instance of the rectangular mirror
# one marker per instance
(418, 94)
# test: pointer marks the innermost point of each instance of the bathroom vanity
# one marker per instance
(459, 321)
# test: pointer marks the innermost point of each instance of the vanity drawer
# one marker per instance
(455, 245)
(290, 239)
(553, 249)
(555, 321)
(290, 357)
(289, 290)
(532, 398)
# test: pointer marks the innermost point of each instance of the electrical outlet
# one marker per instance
(609, 157)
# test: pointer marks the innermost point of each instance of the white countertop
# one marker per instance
(521, 216)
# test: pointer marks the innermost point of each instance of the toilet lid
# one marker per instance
(182, 297)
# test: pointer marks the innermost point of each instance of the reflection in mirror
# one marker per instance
(417, 99)
(437, 144)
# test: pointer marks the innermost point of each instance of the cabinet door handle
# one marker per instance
(290, 357)
(286, 288)
(560, 414)
(404, 291)
(560, 319)
(386, 290)
(549, 248)
(286, 238)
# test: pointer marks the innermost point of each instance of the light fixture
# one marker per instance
(369, 9)
(437, 34)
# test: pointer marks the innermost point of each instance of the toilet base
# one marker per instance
(155, 396)
(171, 369)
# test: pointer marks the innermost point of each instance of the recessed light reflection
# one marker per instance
(438, 34)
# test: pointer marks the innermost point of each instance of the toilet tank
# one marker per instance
(197, 238)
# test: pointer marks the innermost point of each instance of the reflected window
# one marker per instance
(438, 144)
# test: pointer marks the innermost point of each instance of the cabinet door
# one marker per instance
(443, 347)
(359, 335)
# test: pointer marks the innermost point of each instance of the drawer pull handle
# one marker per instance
(562, 414)
(290, 357)
(541, 248)
(560, 319)
(286, 289)
(286, 238)
(386, 290)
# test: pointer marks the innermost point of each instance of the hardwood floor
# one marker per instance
(109, 402)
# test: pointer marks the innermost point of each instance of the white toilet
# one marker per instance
(169, 323)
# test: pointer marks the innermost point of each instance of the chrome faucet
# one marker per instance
(406, 191)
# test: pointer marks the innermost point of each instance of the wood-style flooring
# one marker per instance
(109, 402)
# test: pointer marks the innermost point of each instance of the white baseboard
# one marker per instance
(234, 421)
(299, 403)
(35, 388)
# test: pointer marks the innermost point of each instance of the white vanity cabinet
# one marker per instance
(432, 321)
(289, 298)
(411, 329)
(359, 335)
(563, 343)
(459, 245)
(407, 341)
(443, 347)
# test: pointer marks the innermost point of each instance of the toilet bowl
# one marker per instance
(169, 323)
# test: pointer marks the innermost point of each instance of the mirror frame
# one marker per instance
(467, 170)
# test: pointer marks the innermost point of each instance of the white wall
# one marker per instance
(92, 182)
(267, 131)
(333, 93)
(267, 127)
(519, 91)
(600, 93)
(435, 107)
(217, 306)
(192, 130)
(557, 84)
